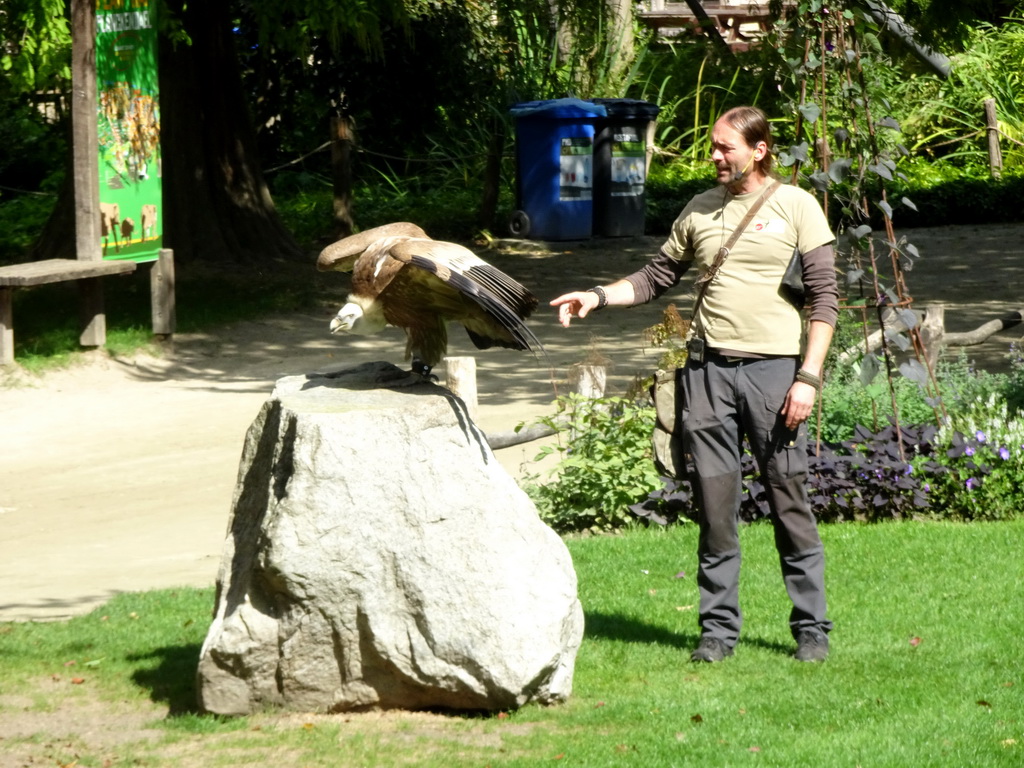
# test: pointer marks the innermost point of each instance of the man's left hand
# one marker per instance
(799, 404)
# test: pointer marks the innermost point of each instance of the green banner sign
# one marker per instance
(128, 97)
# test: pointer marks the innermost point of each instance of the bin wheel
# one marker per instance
(519, 224)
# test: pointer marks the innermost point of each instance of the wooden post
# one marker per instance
(460, 378)
(649, 139)
(590, 380)
(995, 154)
(161, 290)
(85, 148)
(85, 139)
(342, 138)
(93, 318)
(933, 328)
(6, 325)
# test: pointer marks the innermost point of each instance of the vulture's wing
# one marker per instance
(341, 256)
(505, 303)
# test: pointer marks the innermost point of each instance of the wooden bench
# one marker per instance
(87, 272)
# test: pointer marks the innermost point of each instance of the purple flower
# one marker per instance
(969, 451)
(971, 483)
(1004, 453)
(979, 436)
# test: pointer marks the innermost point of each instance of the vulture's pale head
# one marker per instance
(354, 318)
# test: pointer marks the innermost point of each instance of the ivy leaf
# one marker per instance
(889, 122)
(908, 317)
(840, 169)
(897, 338)
(859, 231)
(885, 208)
(881, 170)
(811, 112)
(841, 136)
(794, 153)
(869, 368)
(854, 275)
(819, 181)
(912, 250)
(909, 203)
(914, 371)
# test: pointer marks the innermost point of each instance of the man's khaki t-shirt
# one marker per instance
(743, 309)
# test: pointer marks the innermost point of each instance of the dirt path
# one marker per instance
(118, 475)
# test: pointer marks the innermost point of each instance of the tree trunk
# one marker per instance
(217, 206)
(620, 38)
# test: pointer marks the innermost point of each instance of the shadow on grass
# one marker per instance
(626, 629)
(173, 679)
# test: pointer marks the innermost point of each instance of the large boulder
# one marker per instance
(379, 556)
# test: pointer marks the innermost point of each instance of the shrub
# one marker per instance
(984, 464)
(604, 466)
(969, 469)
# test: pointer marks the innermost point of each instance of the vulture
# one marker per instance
(402, 277)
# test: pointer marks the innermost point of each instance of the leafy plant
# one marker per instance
(984, 467)
(946, 116)
(604, 465)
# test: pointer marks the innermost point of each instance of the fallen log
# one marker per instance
(982, 333)
(940, 338)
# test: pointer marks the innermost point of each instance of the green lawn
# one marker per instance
(927, 669)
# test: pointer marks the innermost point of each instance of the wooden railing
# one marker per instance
(738, 22)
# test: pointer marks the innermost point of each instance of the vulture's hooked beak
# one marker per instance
(353, 318)
(346, 318)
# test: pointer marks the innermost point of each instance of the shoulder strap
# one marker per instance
(723, 252)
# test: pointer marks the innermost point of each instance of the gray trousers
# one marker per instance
(727, 399)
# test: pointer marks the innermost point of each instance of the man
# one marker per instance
(748, 372)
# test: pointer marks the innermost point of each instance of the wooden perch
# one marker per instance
(526, 435)
(590, 380)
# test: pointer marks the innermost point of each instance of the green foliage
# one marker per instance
(862, 468)
(604, 466)
(36, 51)
(21, 220)
(946, 117)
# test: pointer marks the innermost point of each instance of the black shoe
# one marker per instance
(811, 645)
(710, 650)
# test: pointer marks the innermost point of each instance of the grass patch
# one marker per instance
(926, 667)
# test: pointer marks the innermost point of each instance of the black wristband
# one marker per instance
(602, 297)
(808, 378)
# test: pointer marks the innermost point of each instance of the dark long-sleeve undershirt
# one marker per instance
(663, 272)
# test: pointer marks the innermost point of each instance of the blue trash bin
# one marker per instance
(620, 167)
(555, 169)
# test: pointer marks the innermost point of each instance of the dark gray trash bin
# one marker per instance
(620, 166)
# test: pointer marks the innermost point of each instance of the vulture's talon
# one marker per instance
(423, 370)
